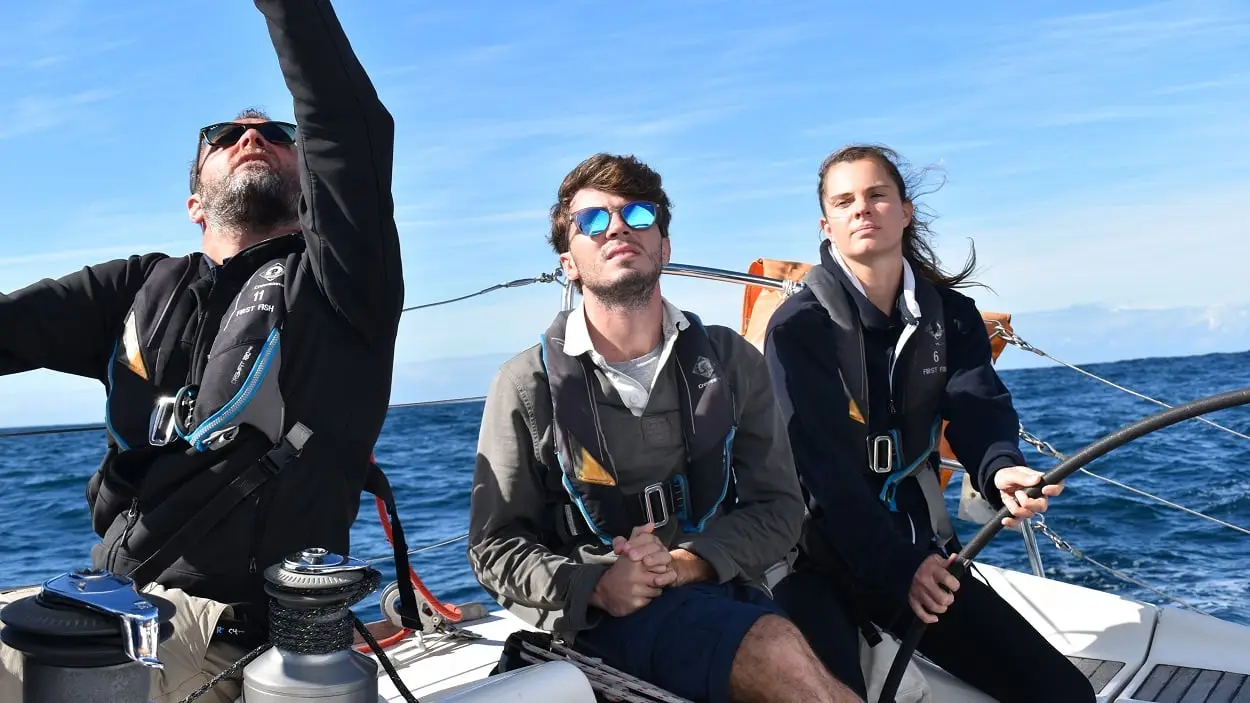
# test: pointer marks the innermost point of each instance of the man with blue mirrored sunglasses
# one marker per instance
(634, 480)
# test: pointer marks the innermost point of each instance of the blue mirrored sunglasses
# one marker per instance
(593, 221)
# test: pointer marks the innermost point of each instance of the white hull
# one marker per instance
(1122, 642)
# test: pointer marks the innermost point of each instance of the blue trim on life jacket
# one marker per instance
(108, 419)
(890, 488)
(679, 479)
(564, 476)
(577, 500)
(682, 516)
(724, 490)
(728, 451)
(232, 409)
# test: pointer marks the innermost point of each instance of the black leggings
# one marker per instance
(980, 640)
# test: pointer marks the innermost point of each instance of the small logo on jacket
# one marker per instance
(936, 329)
(703, 367)
(273, 272)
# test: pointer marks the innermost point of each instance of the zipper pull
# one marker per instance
(251, 566)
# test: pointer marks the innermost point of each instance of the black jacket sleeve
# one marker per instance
(346, 149)
(984, 427)
(816, 414)
(70, 324)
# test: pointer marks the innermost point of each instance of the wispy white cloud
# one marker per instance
(93, 254)
(1236, 80)
(34, 114)
(489, 219)
(1185, 247)
(601, 125)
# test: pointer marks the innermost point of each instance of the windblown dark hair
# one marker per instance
(917, 235)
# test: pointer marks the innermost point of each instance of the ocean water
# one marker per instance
(428, 454)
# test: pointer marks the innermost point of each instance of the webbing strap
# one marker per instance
(253, 477)
(409, 612)
(658, 503)
(943, 530)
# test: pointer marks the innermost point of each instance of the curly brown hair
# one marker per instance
(625, 176)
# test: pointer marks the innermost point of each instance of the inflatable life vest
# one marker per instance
(231, 378)
(918, 370)
(219, 388)
(589, 477)
(759, 304)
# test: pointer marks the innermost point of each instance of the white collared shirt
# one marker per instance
(577, 341)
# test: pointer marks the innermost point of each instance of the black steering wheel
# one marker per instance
(1103, 446)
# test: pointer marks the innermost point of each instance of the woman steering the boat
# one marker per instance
(867, 361)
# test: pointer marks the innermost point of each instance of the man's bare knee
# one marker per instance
(775, 663)
(772, 635)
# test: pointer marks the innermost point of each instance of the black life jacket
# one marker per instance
(175, 387)
(918, 381)
(708, 420)
(213, 397)
(230, 378)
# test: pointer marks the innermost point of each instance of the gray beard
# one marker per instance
(250, 202)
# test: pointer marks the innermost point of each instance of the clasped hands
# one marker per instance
(644, 567)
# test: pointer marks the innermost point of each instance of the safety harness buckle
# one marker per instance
(655, 502)
(287, 450)
(881, 454)
(171, 416)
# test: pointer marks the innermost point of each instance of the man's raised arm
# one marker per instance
(346, 148)
(70, 324)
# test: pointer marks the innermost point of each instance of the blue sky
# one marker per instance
(1098, 155)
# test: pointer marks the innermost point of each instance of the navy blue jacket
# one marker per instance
(880, 550)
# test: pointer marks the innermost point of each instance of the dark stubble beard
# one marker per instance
(253, 200)
(632, 291)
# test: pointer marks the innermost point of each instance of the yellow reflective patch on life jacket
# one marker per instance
(590, 471)
(131, 355)
(856, 415)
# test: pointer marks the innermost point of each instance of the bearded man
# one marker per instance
(634, 478)
(247, 382)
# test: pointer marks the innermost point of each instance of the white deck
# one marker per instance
(1078, 621)
(1203, 658)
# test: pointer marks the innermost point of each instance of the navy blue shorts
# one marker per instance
(683, 641)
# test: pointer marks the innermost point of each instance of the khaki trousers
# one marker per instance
(190, 660)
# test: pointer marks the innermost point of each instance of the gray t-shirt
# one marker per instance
(642, 372)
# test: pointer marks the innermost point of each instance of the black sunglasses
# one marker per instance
(229, 133)
(224, 134)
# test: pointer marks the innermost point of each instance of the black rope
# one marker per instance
(544, 278)
(317, 629)
(229, 672)
(385, 660)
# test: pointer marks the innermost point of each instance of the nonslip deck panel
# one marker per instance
(1098, 671)
(1182, 684)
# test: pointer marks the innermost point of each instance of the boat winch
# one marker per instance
(311, 628)
(87, 636)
